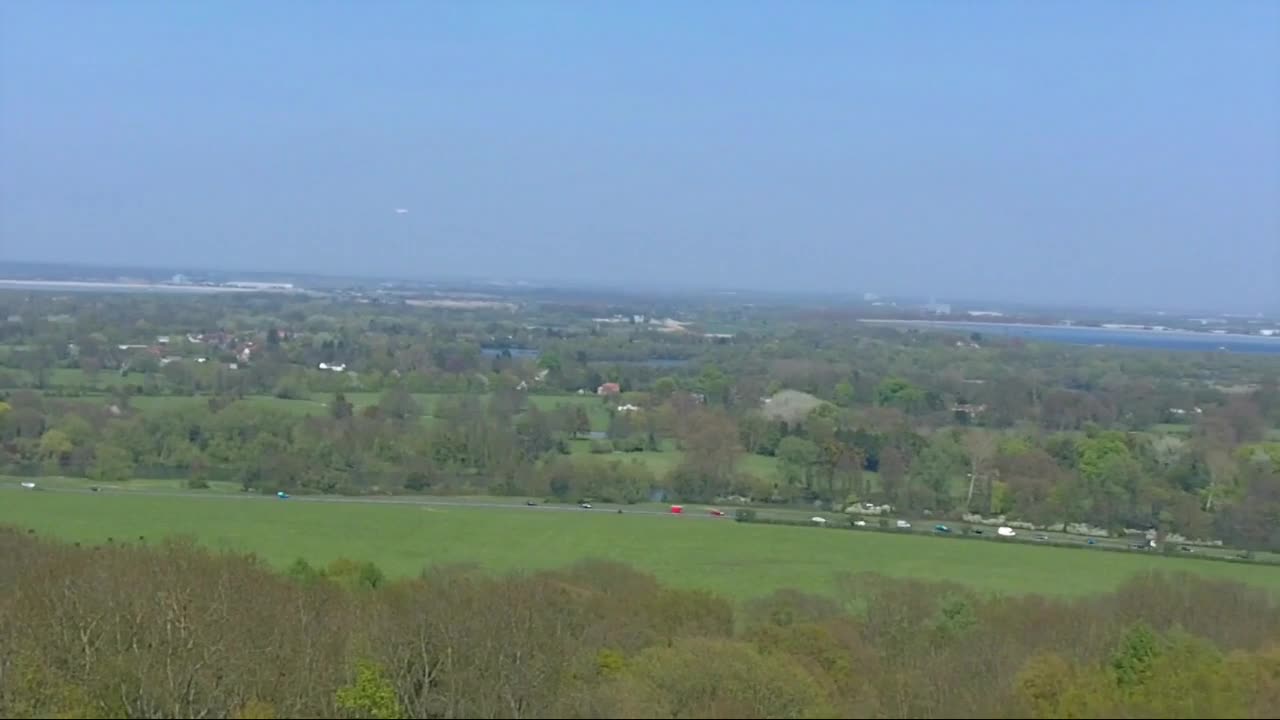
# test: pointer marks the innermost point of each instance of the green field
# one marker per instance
(738, 560)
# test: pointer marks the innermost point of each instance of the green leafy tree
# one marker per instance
(55, 446)
(1133, 660)
(935, 474)
(396, 402)
(901, 394)
(797, 457)
(844, 394)
(340, 408)
(111, 464)
(371, 695)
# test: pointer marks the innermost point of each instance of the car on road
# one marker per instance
(1185, 548)
(1042, 538)
(977, 531)
(859, 523)
(28, 485)
(1005, 531)
(585, 506)
(941, 529)
(715, 513)
(282, 495)
(903, 525)
(531, 503)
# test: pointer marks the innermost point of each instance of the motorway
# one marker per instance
(428, 501)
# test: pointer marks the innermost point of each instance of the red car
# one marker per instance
(716, 513)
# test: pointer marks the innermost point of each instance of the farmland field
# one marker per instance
(739, 560)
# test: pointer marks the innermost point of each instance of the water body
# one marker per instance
(120, 287)
(1108, 337)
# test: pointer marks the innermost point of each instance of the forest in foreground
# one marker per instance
(173, 630)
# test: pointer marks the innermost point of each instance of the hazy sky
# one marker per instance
(1062, 151)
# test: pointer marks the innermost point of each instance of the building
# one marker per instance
(609, 388)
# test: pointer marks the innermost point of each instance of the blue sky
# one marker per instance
(1114, 152)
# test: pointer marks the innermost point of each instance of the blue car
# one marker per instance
(941, 528)
(282, 495)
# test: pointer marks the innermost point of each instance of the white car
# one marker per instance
(818, 520)
(585, 506)
(903, 525)
(1005, 532)
(29, 485)
(859, 523)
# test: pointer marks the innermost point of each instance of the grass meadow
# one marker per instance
(738, 560)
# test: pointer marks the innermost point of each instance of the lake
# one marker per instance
(1109, 337)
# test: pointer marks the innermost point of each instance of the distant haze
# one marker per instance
(1114, 152)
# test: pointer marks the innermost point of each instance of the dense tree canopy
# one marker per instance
(172, 631)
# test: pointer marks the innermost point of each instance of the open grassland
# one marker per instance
(739, 560)
(668, 457)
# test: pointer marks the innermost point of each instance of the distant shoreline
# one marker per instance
(969, 324)
(12, 284)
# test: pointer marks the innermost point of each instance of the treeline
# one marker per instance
(129, 630)
(1219, 481)
(494, 444)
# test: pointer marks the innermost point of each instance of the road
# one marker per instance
(428, 501)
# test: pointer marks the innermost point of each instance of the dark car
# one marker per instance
(977, 531)
(1041, 538)
(1185, 548)
(531, 503)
